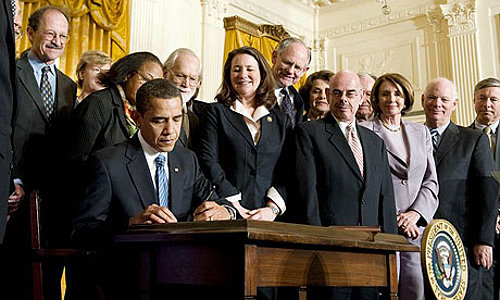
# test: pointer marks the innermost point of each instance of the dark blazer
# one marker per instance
(330, 188)
(97, 122)
(7, 95)
(193, 114)
(467, 191)
(120, 186)
(301, 110)
(34, 135)
(232, 162)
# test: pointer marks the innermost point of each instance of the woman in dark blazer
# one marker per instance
(241, 140)
(414, 176)
(106, 117)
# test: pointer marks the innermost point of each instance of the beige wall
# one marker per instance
(421, 39)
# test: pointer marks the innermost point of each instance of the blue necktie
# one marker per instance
(435, 138)
(161, 180)
(46, 92)
(286, 105)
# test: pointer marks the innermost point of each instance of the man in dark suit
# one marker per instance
(126, 185)
(487, 107)
(291, 60)
(344, 176)
(467, 191)
(45, 101)
(183, 68)
(8, 88)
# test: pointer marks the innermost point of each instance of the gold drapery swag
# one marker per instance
(95, 25)
(241, 32)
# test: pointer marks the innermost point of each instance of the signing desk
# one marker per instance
(244, 254)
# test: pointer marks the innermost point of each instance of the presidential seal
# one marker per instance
(443, 260)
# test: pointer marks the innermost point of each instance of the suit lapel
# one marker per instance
(391, 148)
(338, 140)
(448, 140)
(239, 123)
(176, 181)
(138, 170)
(27, 78)
(118, 109)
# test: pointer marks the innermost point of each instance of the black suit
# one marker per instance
(331, 190)
(468, 193)
(232, 162)
(301, 108)
(39, 147)
(7, 95)
(98, 122)
(194, 111)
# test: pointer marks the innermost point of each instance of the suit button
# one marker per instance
(252, 172)
(404, 182)
(363, 201)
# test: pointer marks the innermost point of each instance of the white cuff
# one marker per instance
(275, 196)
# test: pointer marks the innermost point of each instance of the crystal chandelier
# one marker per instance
(385, 6)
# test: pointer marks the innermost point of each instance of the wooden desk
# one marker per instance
(246, 254)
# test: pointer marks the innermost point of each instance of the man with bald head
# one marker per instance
(365, 110)
(344, 174)
(291, 60)
(467, 191)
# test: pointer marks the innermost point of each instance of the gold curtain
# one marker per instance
(241, 32)
(95, 25)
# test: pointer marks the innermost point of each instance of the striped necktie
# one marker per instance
(161, 180)
(46, 92)
(286, 105)
(435, 138)
(353, 141)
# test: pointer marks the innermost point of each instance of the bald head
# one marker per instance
(439, 100)
(365, 111)
(345, 95)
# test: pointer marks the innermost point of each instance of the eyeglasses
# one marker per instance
(50, 35)
(18, 31)
(351, 94)
(142, 78)
(180, 78)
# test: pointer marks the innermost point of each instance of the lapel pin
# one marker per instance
(269, 119)
(176, 170)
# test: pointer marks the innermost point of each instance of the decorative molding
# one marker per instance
(272, 17)
(276, 32)
(362, 25)
(214, 10)
(460, 17)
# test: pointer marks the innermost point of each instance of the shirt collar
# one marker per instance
(258, 113)
(37, 64)
(343, 125)
(148, 150)
(480, 126)
(440, 129)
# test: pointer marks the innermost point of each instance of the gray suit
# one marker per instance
(415, 188)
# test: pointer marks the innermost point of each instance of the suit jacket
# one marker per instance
(415, 183)
(468, 193)
(193, 114)
(34, 136)
(98, 122)
(330, 188)
(120, 186)
(300, 107)
(232, 162)
(7, 95)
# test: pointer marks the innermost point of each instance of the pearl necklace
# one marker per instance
(391, 128)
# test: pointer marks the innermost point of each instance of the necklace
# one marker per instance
(391, 128)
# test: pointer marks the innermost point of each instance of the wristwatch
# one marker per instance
(274, 209)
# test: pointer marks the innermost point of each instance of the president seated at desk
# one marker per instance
(144, 180)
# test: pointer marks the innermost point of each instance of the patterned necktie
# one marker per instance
(489, 134)
(161, 180)
(286, 105)
(13, 7)
(352, 139)
(46, 92)
(435, 139)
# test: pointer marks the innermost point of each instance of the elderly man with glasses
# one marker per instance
(183, 69)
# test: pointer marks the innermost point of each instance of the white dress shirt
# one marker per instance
(151, 154)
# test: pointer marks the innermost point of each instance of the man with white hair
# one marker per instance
(467, 191)
(183, 68)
